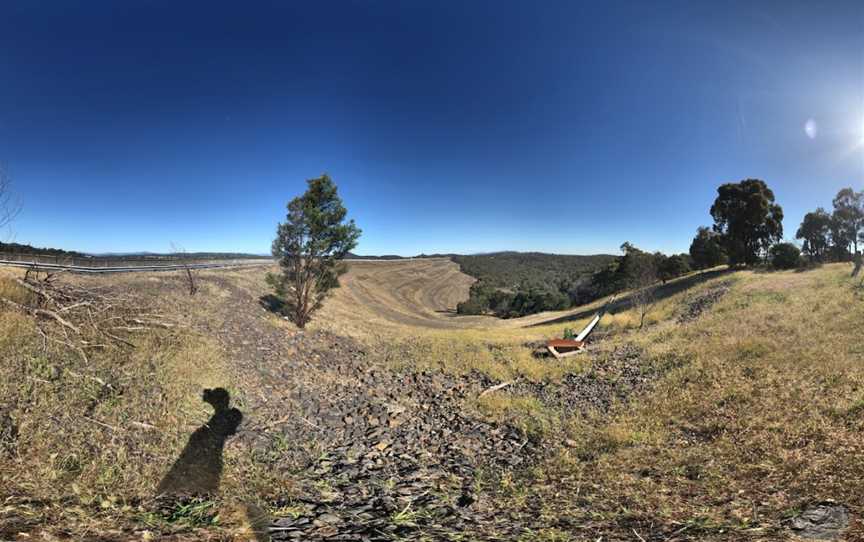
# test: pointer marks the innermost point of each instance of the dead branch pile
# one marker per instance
(84, 318)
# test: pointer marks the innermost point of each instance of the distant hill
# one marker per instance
(17, 248)
(510, 269)
(513, 284)
(352, 256)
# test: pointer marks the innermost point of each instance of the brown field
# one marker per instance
(412, 296)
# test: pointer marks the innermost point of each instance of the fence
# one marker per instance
(107, 263)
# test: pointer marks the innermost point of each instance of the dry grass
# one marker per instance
(764, 416)
(95, 438)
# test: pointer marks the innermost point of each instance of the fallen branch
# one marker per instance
(163, 325)
(40, 312)
(118, 339)
(130, 328)
(94, 315)
(496, 387)
(143, 425)
(103, 424)
(35, 290)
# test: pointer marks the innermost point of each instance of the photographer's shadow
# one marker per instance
(198, 470)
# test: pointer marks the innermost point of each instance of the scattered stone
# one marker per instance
(375, 453)
(8, 430)
(821, 521)
(702, 302)
(611, 378)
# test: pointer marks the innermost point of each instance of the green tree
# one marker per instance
(673, 266)
(706, 250)
(839, 240)
(815, 230)
(310, 246)
(849, 215)
(785, 256)
(748, 219)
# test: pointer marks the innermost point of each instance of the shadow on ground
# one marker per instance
(272, 303)
(198, 470)
(664, 291)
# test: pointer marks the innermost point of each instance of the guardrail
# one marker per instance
(109, 265)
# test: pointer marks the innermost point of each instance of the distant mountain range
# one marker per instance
(17, 248)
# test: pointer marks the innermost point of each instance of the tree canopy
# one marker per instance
(706, 250)
(831, 236)
(815, 230)
(673, 266)
(785, 256)
(848, 218)
(748, 219)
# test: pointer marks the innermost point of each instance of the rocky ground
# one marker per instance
(378, 453)
(375, 453)
(336, 443)
(612, 377)
(704, 301)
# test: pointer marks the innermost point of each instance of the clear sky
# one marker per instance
(455, 126)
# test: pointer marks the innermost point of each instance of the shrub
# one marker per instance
(674, 266)
(472, 306)
(785, 256)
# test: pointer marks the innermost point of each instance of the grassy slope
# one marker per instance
(96, 437)
(763, 416)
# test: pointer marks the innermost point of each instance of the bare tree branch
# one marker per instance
(190, 274)
(10, 205)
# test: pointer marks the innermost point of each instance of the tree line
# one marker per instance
(17, 248)
(512, 284)
(633, 270)
(748, 225)
(829, 237)
(748, 230)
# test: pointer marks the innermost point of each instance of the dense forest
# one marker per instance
(511, 284)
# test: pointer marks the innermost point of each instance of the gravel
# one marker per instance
(374, 453)
(821, 521)
(704, 301)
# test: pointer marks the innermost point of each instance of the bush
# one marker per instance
(674, 266)
(785, 256)
(472, 306)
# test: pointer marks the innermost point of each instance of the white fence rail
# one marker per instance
(79, 264)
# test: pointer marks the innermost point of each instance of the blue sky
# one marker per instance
(449, 126)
